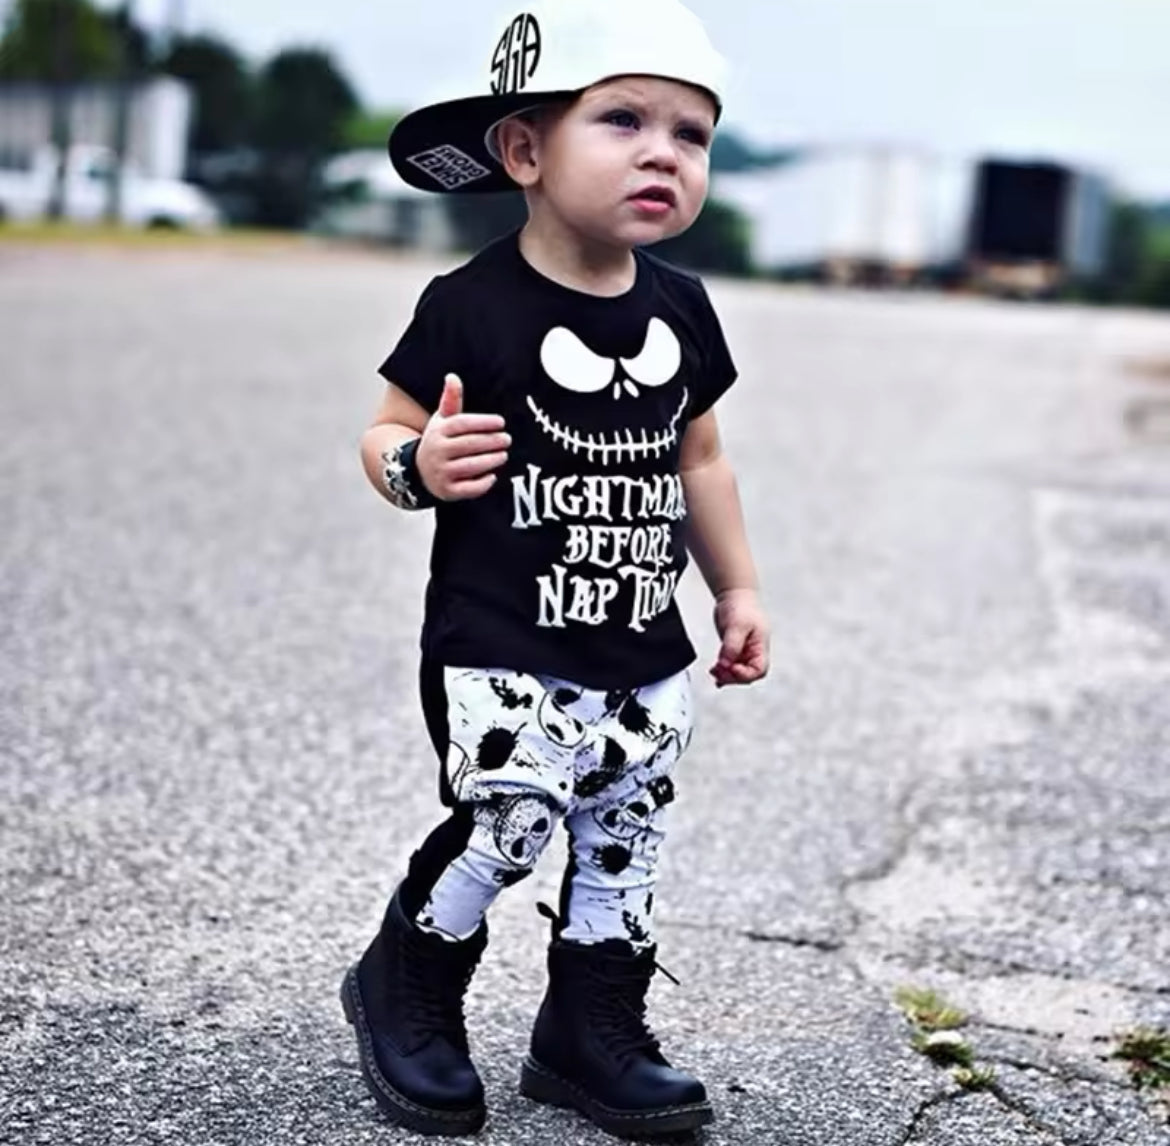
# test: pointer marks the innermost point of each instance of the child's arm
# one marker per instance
(455, 452)
(718, 542)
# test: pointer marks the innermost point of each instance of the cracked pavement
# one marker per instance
(214, 766)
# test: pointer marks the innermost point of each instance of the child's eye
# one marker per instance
(622, 118)
(695, 135)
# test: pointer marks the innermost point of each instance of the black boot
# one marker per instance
(405, 1001)
(591, 1048)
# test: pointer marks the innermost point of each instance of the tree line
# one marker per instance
(259, 134)
(1137, 269)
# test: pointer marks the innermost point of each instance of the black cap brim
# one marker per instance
(443, 148)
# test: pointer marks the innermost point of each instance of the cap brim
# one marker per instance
(443, 147)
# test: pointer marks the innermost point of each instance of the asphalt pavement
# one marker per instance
(213, 766)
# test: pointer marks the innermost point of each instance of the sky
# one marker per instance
(1084, 81)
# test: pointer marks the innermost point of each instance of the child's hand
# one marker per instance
(458, 451)
(746, 635)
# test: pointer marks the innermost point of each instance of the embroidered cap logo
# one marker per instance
(516, 56)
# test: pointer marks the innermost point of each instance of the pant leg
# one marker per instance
(616, 823)
(510, 782)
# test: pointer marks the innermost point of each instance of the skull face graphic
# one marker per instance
(521, 827)
(627, 818)
(576, 368)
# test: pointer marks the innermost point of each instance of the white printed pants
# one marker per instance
(524, 752)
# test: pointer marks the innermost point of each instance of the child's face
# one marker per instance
(627, 163)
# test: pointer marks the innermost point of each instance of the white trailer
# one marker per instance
(855, 213)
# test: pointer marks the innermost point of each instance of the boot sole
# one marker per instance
(542, 1085)
(397, 1107)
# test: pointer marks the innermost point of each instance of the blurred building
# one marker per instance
(363, 197)
(159, 117)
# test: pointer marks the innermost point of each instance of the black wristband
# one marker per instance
(402, 481)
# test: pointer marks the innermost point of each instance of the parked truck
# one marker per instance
(28, 178)
(1035, 226)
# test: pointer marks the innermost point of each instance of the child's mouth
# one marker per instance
(654, 200)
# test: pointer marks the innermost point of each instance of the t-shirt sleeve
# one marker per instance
(431, 347)
(719, 369)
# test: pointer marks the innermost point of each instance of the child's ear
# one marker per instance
(518, 141)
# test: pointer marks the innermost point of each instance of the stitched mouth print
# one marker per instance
(574, 367)
(620, 446)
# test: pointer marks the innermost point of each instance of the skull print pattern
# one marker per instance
(526, 752)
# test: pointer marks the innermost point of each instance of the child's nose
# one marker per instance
(660, 152)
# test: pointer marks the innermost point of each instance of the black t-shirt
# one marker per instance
(568, 566)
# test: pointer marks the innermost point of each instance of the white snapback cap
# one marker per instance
(550, 50)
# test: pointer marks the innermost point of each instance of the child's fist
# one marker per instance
(743, 628)
(458, 452)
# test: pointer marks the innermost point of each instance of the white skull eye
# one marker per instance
(558, 725)
(571, 364)
(660, 358)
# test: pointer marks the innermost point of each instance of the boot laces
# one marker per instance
(619, 1004)
(619, 1008)
(435, 983)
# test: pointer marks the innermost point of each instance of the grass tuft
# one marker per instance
(927, 1010)
(973, 1078)
(1148, 1053)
